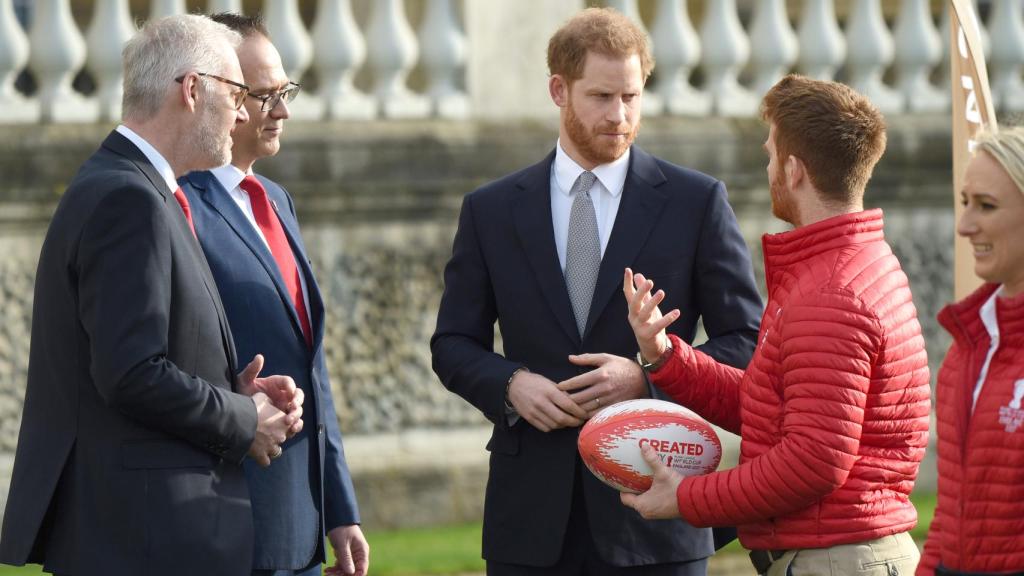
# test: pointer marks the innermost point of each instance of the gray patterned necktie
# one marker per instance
(583, 251)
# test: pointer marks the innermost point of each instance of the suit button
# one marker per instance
(320, 429)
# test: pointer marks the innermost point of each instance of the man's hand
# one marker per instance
(272, 429)
(644, 315)
(612, 380)
(282, 391)
(351, 552)
(659, 502)
(542, 404)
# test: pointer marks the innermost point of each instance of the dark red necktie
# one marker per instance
(180, 197)
(272, 230)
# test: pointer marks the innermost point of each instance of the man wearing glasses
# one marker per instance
(248, 229)
(135, 423)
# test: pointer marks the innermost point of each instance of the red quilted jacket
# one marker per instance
(979, 520)
(833, 408)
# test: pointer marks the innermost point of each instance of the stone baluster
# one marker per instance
(870, 52)
(161, 8)
(652, 103)
(774, 42)
(943, 78)
(822, 47)
(726, 50)
(339, 52)
(444, 59)
(918, 48)
(944, 34)
(14, 107)
(296, 48)
(111, 27)
(217, 6)
(1006, 30)
(677, 50)
(393, 53)
(57, 52)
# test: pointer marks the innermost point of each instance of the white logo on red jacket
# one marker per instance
(1011, 415)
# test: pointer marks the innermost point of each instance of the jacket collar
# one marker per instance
(963, 319)
(785, 249)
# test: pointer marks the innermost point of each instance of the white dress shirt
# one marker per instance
(605, 194)
(154, 157)
(230, 177)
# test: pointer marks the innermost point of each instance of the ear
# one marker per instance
(795, 171)
(558, 88)
(189, 91)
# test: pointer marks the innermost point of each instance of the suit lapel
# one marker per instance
(121, 145)
(532, 215)
(213, 194)
(641, 203)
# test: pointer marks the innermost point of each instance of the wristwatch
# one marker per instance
(651, 367)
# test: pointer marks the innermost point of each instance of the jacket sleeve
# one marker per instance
(462, 346)
(726, 292)
(340, 507)
(828, 343)
(697, 381)
(124, 268)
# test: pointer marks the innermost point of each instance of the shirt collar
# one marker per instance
(229, 176)
(611, 175)
(988, 314)
(155, 158)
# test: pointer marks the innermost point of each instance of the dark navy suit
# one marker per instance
(308, 490)
(131, 437)
(675, 226)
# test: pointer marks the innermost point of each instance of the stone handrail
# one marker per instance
(485, 59)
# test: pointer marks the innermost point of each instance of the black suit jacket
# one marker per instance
(131, 438)
(675, 226)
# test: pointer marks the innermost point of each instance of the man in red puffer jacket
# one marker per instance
(833, 407)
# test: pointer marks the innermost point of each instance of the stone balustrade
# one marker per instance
(484, 60)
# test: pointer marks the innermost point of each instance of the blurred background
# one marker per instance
(407, 105)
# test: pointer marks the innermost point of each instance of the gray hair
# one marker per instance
(1007, 147)
(166, 48)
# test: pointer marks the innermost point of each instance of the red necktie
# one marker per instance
(269, 224)
(180, 197)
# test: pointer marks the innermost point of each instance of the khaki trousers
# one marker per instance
(887, 556)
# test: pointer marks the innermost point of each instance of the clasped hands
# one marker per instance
(548, 405)
(278, 409)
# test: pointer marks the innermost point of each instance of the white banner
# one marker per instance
(972, 113)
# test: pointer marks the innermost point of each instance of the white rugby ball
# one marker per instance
(610, 443)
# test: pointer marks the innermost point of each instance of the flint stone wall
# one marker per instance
(378, 204)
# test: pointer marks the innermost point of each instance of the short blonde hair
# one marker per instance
(1007, 147)
(604, 31)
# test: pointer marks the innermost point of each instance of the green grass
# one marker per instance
(456, 549)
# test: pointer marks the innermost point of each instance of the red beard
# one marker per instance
(589, 142)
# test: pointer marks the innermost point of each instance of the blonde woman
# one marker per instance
(979, 520)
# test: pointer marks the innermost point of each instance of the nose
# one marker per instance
(617, 112)
(966, 226)
(281, 110)
(241, 115)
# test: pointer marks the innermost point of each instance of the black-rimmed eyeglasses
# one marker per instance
(271, 100)
(239, 95)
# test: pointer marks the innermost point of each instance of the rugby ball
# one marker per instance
(610, 443)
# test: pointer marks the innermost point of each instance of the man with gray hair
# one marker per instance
(135, 423)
